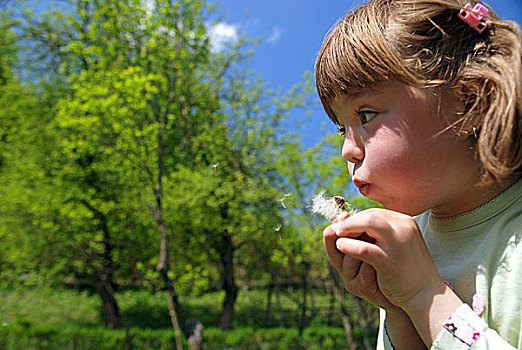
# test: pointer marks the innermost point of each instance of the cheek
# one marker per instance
(402, 165)
(388, 152)
(393, 163)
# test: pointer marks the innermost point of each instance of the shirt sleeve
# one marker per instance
(466, 330)
(383, 342)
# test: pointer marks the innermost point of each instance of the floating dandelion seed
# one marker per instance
(278, 229)
(330, 207)
(282, 199)
(214, 166)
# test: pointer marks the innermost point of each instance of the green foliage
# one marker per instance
(65, 319)
(53, 308)
(249, 338)
(14, 338)
(57, 308)
(83, 338)
(8, 49)
(118, 104)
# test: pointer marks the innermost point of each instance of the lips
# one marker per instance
(363, 186)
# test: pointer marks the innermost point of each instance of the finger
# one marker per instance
(336, 223)
(365, 282)
(368, 275)
(335, 256)
(374, 223)
(368, 279)
(365, 251)
(350, 267)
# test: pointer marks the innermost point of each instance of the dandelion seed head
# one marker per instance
(325, 206)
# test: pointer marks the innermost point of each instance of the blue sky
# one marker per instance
(291, 33)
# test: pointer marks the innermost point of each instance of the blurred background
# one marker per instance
(157, 163)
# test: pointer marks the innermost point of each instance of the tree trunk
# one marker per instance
(104, 284)
(177, 317)
(228, 283)
(278, 303)
(313, 306)
(362, 322)
(304, 305)
(175, 311)
(196, 339)
(338, 292)
(111, 310)
(269, 298)
(331, 303)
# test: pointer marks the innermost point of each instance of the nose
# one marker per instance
(353, 150)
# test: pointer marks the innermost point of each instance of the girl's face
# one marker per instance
(400, 152)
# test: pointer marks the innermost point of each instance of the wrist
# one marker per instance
(395, 312)
(400, 330)
(430, 309)
(425, 297)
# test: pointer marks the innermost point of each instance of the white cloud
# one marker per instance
(275, 35)
(222, 34)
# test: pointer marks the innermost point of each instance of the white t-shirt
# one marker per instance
(479, 253)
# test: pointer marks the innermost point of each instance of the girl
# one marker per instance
(428, 97)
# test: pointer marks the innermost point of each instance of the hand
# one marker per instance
(402, 271)
(381, 254)
(359, 278)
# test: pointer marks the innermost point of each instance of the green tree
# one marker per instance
(148, 140)
(8, 82)
(307, 173)
(134, 97)
(231, 208)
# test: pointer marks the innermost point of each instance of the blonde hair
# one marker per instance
(424, 43)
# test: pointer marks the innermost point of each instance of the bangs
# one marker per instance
(357, 54)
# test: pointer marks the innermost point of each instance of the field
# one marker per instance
(47, 318)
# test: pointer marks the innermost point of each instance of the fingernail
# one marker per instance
(343, 216)
(336, 226)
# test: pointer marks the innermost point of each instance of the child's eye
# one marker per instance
(341, 131)
(366, 116)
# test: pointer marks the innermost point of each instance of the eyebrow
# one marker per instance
(360, 92)
(354, 94)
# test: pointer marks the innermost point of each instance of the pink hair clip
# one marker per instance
(474, 17)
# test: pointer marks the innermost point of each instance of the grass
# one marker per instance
(44, 306)
(48, 307)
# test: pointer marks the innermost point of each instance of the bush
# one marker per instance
(325, 338)
(249, 338)
(14, 338)
(73, 338)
